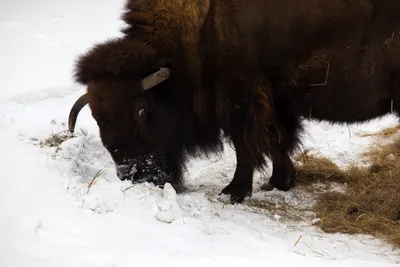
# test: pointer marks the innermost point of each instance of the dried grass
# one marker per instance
(284, 211)
(385, 133)
(316, 169)
(93, 181)
(371, 201)
(56, 139)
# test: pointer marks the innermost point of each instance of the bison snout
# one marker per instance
(126, 172)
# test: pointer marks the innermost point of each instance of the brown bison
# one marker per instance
(189, 73)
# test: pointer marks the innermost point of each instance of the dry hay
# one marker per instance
(315, 169)
(285, 212)
(385, 133)
(370, 203)
(56, 139)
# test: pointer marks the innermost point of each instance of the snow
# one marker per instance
(49, 216)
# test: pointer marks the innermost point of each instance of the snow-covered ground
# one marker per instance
(49, 217)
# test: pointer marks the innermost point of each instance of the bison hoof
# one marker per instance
(280, 184)
(267, 187)
(237, 192)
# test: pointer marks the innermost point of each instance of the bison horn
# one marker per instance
(156, 78)
(76, 108)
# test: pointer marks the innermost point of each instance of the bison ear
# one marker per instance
(114, 58)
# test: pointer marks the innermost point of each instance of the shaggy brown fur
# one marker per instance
(114, 59)
(170, 26)
(249, 68)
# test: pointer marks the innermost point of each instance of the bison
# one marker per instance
(187, 74)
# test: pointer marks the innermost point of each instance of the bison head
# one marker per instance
(126, 96)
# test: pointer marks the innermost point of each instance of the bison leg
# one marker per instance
(283, 174)
(241, 185)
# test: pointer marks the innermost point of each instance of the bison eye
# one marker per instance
(142, 114)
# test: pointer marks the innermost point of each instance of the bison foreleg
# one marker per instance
(241, 185)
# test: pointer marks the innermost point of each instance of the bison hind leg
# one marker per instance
(284, 174)
(289, 122)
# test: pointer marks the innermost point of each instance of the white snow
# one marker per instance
(49, 216)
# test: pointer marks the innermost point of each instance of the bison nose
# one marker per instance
(126, 171)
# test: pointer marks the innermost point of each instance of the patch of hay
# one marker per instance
(315, 169)
(55, 140)
(371, 201)
(284, 211)
(385, 133)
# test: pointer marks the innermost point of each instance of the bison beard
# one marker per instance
(250, 69)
